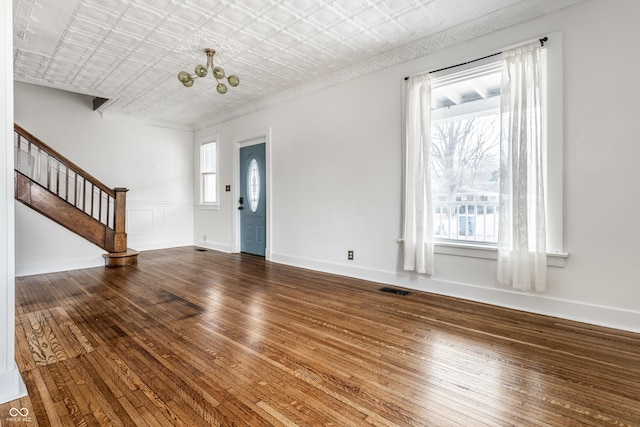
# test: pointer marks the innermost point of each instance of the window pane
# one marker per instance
(208, 182)
(253, 185)
(465, 136)
(208, 157)
(209, 188)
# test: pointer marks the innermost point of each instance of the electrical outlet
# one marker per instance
(204, 238)
(350, 255)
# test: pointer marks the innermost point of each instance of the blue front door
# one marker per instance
(253, 200)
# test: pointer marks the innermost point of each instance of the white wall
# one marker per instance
(336, 175)
(155, 164)
(11, 384)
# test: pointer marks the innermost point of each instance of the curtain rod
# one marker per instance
(542, 41)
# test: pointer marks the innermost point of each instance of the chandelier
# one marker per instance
(202, 70)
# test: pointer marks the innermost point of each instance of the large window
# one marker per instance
(483, 140)
(208, 174)
(465, 152)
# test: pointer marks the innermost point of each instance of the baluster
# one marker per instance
(484, 222)
(41, 166)
(48, 172)
(80, 180)
(66, 185)
(37, 165)
(475, 222)
(107, 222)
(93, 190)
(100, 205)
(449, 213)
(84, 194)
(18, 152)
(29, 159)
(58, 178)
(469, 218)
(76, 188)
(72, 187)
(466, 221)
(87, 197)
(45, 165)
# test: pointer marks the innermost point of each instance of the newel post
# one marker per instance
(119, 222)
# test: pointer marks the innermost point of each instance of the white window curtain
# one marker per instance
(522, 252)
(418, 206)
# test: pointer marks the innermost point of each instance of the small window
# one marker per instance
(465, 166)
(253, 185)
(208, 173)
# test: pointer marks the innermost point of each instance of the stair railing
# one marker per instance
(60, 176)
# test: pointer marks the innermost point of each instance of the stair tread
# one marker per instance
(127, 253)
(121, 259)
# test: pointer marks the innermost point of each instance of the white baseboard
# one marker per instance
(57, 266)
(152, 246)
(611, 317)
(91, 262)
(213, 246)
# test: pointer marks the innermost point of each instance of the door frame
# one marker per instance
(258, 136)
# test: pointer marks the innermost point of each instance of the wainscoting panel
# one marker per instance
(140, 221)
(158, 225)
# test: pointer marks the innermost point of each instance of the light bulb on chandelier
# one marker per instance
(202, 70)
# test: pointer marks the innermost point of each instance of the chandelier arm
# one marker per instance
(221, 87)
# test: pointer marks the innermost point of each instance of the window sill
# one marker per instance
(470, 250)
(215, 207)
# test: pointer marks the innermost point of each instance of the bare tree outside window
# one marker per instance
(465, 173)
(466, 154)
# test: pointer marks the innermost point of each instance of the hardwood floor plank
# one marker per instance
(169, 384)
(208, 338)
(107, 401)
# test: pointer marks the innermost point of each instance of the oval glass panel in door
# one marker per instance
(253, 184)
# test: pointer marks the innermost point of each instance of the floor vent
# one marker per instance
(201, 250)
(395, 291)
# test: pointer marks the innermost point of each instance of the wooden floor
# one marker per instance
(207, 338)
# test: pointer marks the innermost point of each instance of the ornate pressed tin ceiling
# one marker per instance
(130, 51)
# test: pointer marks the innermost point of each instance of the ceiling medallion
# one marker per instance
(202, 70)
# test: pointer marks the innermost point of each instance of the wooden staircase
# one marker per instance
(52, 185)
